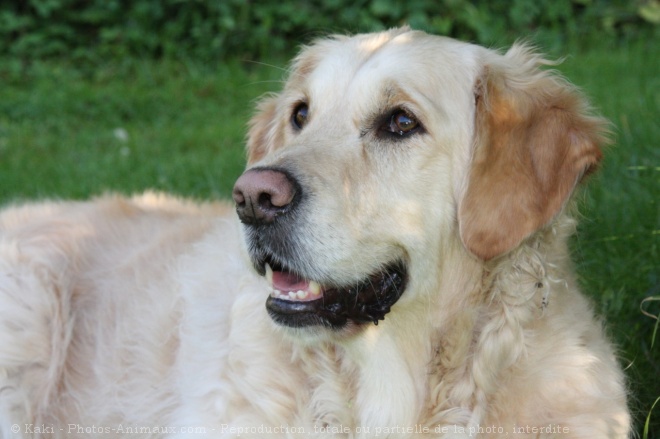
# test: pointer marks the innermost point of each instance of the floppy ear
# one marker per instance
(262, 131)
(534, 141)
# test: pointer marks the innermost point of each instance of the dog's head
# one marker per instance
(383, 149)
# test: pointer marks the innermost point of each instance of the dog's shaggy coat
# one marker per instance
(145, 317)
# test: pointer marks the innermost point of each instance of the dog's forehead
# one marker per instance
(352, 66)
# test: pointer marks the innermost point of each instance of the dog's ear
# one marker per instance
(534, 141)
(262, 131)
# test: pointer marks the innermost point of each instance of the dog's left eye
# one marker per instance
(299, 116)
(401, 123)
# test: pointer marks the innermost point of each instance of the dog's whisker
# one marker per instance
(261, 63)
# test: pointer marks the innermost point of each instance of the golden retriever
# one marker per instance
(394, 265)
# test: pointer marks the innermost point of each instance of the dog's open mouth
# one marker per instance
(298, 302)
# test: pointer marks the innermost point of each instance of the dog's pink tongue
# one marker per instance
(285, 281)
(288, 286)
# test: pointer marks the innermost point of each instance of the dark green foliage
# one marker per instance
(215, 29)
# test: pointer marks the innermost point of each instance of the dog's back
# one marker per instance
(90, 309)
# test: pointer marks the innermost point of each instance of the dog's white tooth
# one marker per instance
(314, 288)
(269, 274)
(301, 294)
(292, 294)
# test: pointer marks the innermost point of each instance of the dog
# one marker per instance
(394, 264)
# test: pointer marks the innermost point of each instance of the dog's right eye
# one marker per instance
(299, 116)
(402, 123)
(399, 124)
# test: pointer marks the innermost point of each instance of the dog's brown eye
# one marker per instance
(402, 123)
(299, 116)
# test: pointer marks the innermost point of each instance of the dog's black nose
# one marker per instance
(262, 194)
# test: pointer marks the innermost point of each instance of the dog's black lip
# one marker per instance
(366, 302)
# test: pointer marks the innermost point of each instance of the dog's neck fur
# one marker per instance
(456, 359)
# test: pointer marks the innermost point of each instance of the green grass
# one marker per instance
(617, 247)
(67, 132)
(179, 127)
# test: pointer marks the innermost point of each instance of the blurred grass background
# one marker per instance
(123, 96)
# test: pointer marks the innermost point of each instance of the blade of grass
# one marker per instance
(648, 420)
(653, 316)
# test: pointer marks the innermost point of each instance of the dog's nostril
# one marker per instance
(265, 201)
(238, 197)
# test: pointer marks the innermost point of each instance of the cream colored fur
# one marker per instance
(143, 317)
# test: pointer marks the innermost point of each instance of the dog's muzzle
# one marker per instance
(266, 202)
